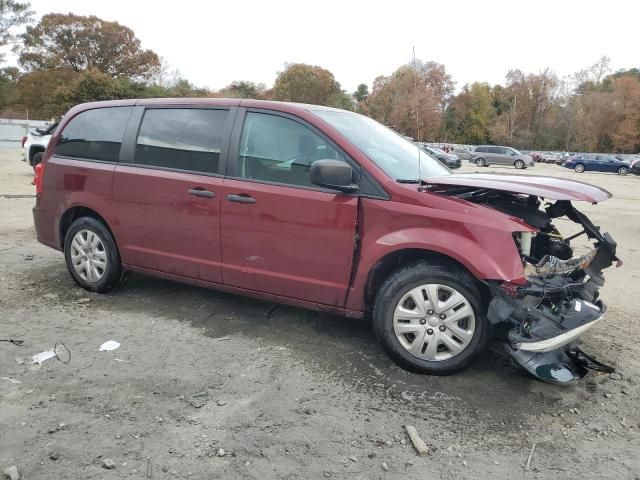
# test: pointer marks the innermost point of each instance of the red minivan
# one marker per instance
(329, 210)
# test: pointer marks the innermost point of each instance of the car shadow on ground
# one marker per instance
(330, 346)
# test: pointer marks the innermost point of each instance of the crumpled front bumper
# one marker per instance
(546, 317)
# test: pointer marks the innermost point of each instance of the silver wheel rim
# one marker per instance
(579, 168)
(88, 256)
(623, 171)
(519, 164)
(434, 322)
(479, 162)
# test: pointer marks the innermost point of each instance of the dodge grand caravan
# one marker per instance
(328, 210)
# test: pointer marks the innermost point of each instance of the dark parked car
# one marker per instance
(598, 163)
(635, 167)
(486, 155)
(328, 210)
(449, 159)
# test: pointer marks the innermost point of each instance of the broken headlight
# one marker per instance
(550, 265)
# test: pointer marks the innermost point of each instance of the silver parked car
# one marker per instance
(486, 155)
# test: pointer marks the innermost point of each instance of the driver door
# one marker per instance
(280, 234)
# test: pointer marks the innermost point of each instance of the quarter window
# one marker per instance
(181, 138)
(94, 134)
(280, 150)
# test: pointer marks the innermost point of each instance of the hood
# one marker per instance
(545, 187)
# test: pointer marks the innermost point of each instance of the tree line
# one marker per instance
(65, 59)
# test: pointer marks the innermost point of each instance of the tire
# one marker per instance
(623, 171)
(579, 168)
(519, 164)
(96, 278)
(37, 158)
(480, 162)
(398, 287)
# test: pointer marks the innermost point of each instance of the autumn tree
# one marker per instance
(412, 99)
(78, 43)
(300, 82)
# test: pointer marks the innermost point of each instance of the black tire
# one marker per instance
(37, 158)
(112, 274)
(480, 162)
(579, 168)
(409, 277)
(519, 164)
(623, 171)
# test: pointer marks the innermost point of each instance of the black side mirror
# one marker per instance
(332, 174)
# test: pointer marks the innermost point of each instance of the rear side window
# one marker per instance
(94, 134)
(181, 138)
(481, 149)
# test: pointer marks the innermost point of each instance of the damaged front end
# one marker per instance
(560, 301)
(544, 318)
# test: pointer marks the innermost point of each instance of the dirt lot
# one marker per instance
(291, 393)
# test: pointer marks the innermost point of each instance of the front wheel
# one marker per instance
(623, 171)
(519, 164)
(579, 168)
(480, 162)
(429, 318)
(91, 255)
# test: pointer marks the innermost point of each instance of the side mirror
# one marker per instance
(512, 153)
(332, 174)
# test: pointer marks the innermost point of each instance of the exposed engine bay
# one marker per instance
(544, 318)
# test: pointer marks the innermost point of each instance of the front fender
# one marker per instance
(477, 238)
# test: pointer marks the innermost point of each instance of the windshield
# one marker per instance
(390, 151)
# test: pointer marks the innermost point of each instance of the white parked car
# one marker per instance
(35, 143)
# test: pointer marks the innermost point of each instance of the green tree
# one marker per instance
(12, 15)
(80, 43)
(305, 83)
(361, 93)
(243, 89)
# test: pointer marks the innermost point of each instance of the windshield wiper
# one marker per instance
(407, 180)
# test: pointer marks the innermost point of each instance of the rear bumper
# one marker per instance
(45, 226)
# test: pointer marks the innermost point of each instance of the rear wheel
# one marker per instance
(519, 164)
(579, 168)
(429, 318)
(480, 162)
(91, 255)
(623, 171)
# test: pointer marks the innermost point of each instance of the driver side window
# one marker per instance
(279, 150)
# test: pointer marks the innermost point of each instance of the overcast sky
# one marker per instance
(213, 43)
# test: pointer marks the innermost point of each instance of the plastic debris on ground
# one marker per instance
(108, 346)
(198, 400)
(43, 356)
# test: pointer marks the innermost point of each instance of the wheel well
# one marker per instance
(76, 212)
(35, 149)
(394, 260)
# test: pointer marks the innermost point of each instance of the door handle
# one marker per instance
(199, 192)
(242, 198)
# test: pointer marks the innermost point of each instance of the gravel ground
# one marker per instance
(289, 393)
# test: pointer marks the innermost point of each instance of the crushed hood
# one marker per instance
(545, 187)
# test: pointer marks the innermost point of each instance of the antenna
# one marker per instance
(415, 92)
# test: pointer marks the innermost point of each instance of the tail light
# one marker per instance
(24, 140)
(37, 178)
